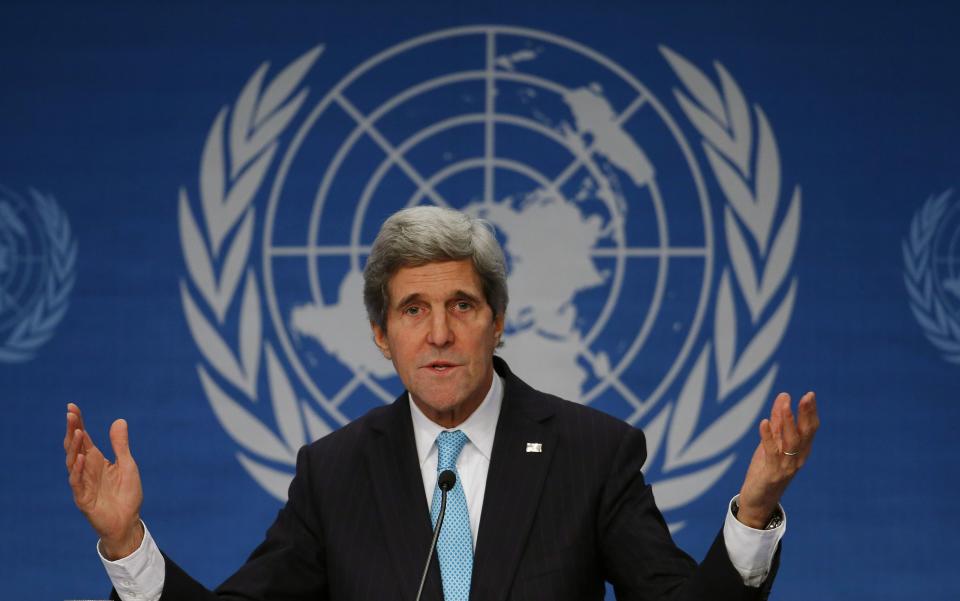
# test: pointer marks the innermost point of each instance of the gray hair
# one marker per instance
(426, 234)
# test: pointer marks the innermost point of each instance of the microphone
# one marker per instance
(446, 481)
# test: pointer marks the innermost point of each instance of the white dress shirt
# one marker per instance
(139, 576)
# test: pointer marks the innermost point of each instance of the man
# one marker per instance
(549, 500)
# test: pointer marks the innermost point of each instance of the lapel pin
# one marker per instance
(534, 447)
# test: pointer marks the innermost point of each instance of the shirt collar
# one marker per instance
(480, 427)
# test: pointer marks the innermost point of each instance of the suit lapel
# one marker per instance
(404, 514)
(514, 485)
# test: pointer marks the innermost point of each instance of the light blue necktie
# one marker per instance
(455, 546)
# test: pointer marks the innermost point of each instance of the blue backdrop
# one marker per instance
(740, 198)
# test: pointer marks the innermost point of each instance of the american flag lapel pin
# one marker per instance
(534, 447)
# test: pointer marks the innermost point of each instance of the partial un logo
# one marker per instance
(625, 294)
(38, 256)
(931, 274)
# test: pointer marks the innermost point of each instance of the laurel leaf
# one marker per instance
(680, 490)
(8, 355)
(211, 345)
(724, 332)
(925, 321)
(237, 256)
(698, 84)
(212, 182)
(244, 189)
(914, 293)
(687, 411)
(284, 83)
(20, 331)
(285, 406)
(730, 428)
(740, 129)
(782, 251)
(241, 123)
(914, 267)
(274, 481)
(251, 331)
(742, 261)
(940, 315)
(316, 427)
(766, 341)
(270, 130)
(735, 190)
(712, 131)
(653, 431)
(243, 427)
(953, 328)
(50, 320)
(197, 259)
(947, 345)
(768, 180)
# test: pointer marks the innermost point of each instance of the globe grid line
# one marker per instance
(633, 252)
(489, 130)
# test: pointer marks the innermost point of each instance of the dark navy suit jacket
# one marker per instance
(555, 525)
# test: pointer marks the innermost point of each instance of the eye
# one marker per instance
(411, 310)
(463, 305)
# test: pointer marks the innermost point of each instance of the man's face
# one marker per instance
(440, 336)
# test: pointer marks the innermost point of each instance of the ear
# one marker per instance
(380, 339)
(498, 329)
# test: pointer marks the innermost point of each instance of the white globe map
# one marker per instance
(565, 223)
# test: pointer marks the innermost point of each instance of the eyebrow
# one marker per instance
(410, 298)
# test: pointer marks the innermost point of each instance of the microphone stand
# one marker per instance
(445, 481)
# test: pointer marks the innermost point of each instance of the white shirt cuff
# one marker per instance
(750, 550)
(138, 576)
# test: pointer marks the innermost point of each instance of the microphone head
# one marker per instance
(446, 480)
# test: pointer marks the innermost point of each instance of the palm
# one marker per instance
(108, 493)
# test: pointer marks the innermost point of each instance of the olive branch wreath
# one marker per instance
(747, 169)
(938, 326)
(38, 327)
(217, 256)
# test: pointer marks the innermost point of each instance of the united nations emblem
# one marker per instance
(625, 294)
(37, 259)
(931, 257)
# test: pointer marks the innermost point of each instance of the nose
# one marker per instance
(440, 333)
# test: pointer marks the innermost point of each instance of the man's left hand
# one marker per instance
(784, 446)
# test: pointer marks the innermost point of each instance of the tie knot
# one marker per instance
(449, 445)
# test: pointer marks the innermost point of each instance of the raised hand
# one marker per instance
(108, 494)
(783, 449)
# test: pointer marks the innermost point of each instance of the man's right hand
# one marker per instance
(108, 494)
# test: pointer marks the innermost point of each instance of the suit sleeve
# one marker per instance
(288, 564)
(639, 556)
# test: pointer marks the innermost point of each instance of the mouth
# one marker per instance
(440, 366)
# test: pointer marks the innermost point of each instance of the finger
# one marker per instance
(76, 479)
(74, 409)
(73, 449)
(767, 439)
(808, 420)
(776, 416)
(74, 421)
(68, 435)
(120, 440)
(791, 437)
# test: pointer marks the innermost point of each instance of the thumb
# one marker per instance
(120, 440)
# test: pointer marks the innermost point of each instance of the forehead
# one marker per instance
(442, 278)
